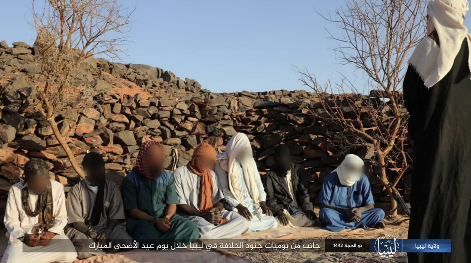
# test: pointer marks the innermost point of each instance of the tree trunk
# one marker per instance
(66, 148)
(385, 180)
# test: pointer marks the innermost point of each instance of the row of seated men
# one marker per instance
(215, 196)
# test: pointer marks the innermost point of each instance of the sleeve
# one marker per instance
(129, 193)
(116, 210)
(258, 180)
(217, 193)
(12, 218)
(326, 190)
(74, 205)
(60, 220)
(224, 185)
(414, 95)
(272, 202)
(179, 187)
(304, 198)
(413, 89)
(171, 196)
(366, 192)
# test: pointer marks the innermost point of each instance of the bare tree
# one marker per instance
(377, 38)
(69, 33)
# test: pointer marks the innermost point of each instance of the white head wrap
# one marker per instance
(346, 176)
(433, 62)
(237, 145)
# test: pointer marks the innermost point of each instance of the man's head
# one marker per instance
(94, 167)
(204, 157)
(282, 159)
(36, 175)
(350, 170)
(239, 147)
(150, 161)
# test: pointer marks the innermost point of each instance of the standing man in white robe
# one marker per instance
(200, 197)
(35, 217)
(241, 184)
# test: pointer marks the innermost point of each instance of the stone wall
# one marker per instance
(141, 103)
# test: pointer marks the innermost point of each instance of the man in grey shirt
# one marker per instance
(95, 210)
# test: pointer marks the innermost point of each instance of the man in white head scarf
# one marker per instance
(242, 187)
(346, 200)
(437, 93)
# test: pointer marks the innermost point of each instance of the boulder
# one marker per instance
(94, 141)
(120, 118)
(11, 172)
(20, 51)
(152, 124)
(7, 133)
(31, 142)
(6, 156)
(182, 106)
(91, 113)
(173, 141)
(271, 140)
(125, 138)
(229, 131)
(190, 141)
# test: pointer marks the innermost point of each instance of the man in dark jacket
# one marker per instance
(287, 188)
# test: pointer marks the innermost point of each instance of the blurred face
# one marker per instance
(354, 169)
(95, 174)
(207, 163)
(37, 183)
(283, 162)
(155, 161)
(243, 154)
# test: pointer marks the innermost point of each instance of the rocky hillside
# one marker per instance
(141, 103)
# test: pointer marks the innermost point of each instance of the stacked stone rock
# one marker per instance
(174, 111)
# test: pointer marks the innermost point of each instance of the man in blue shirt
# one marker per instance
(150, 198)
(346, 200)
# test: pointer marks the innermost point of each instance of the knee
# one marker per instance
(244, 224)
(379, 213)
(324, 212)
(192, 229)
(70, 257)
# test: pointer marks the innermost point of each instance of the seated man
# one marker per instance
(345, 199)
(200, 197)
(241, 184)
(35, 217)
(150, 199)
(287, 189)
(95, 210)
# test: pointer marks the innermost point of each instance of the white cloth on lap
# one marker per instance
(60, 249)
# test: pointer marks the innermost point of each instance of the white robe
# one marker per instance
(188, 190)
(18, 224)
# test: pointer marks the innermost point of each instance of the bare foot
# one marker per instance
(380, 225)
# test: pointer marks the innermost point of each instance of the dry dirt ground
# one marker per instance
(397, 228)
